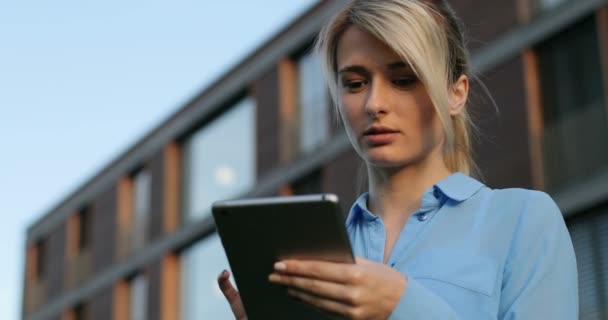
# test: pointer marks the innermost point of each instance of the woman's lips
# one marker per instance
(376, 139)
(378, 135)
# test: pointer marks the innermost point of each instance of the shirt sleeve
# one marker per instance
(540, 275)
(418, 302)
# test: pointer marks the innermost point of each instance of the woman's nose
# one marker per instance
(377, 99)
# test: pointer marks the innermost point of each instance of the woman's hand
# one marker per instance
(233, 297)
(365, 290)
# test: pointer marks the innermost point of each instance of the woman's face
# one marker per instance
(386, 110)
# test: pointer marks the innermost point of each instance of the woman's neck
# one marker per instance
(395, 193)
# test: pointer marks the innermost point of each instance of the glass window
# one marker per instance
(84, 228)
(138, 298)
(219, 160)
(575, 138)
(141, 209)
(40, 265)
(201, 297)
(313, 103)
(80, 312)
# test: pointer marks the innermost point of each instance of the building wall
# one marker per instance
(101, 306)
(502, 148)
(341, 176)
(486, 20)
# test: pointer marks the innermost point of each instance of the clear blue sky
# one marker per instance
(81, 81)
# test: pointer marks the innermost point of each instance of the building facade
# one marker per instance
(137, 240)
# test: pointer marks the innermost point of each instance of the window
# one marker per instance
(79, 312)
(219, 161)
(84, 229)
(575, 137)
(138, 298)
(141, 209)
(40, 260)
(589, 234)
(78, 246)
(312, 103)
(201, 297)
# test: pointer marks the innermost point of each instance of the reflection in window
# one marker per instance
(575, 138)
(312, 103)
(138, 298)
(201, 296)
(219, 160)
(550, 4)
(141, 209)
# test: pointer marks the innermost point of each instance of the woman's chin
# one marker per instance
(384, 161)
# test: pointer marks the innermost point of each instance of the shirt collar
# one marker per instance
(457, 187)
(359, 209)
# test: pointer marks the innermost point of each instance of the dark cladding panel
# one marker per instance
(101, 306)
(266, 97)
(55, 262)
(104, 230)
(341, 176)
(486, 20)
(154, 290)
(156, 169)
(503, 150)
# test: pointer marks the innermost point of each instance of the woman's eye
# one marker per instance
(405, 82)
(353, 85)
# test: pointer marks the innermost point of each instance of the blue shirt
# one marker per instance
(471, 252)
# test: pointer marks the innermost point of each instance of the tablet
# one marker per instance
(258, 232)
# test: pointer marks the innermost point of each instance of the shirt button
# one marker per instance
(436, 193)
(423, 217)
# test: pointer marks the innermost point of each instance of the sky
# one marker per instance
(81, 81)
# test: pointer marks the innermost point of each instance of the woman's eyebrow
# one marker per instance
(355, 69)
(399, 66)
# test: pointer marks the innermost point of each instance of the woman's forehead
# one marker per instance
(357, 46)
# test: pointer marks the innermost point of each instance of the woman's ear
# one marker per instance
(459, 95)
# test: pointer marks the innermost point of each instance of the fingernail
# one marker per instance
(273, 277)
(280, 266)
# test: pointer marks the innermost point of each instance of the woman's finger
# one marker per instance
(328, 271)
(233, 296)
(321, 288)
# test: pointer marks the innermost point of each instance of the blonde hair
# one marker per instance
(427, 35)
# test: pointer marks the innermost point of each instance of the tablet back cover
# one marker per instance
(258, 232)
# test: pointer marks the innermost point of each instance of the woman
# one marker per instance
(432, 242)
